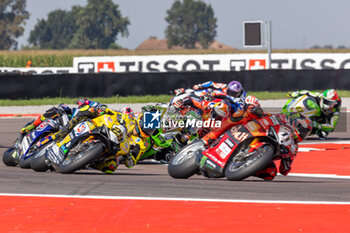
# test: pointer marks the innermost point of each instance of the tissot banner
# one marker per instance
(212, 62)
(199, 62)
(37, 70)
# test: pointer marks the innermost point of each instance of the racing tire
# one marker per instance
(183, 164)
(25, 163)
(38, 161)
(238, 169)
(71, 164)
(9, 157)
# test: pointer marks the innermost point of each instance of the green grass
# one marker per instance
(64, 58)
(262, 95)
(115, 99)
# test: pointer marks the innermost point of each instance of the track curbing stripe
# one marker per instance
(177, 199)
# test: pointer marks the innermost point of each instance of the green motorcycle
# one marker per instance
(324, 122)
(166, 141)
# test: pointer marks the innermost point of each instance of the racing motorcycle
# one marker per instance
(25, 145)
(240, 152)
(170, 137)
(88, 143)
(308, 105)
(167, 141)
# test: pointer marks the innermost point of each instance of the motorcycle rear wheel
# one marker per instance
(73, 163)
(241, 168)
(183, 164)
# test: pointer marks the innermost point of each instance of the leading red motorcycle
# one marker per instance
(243, 150)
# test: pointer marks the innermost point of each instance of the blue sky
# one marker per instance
(295, 24)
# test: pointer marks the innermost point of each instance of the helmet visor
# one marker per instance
(234, 93)
(328, 103)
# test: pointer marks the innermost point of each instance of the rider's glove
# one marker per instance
(179, 91)
(130, 161)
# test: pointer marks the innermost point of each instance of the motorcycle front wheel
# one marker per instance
(38, 162)
(25, 163)
(10, 157)
(87, 153)
(241, 167)
(183, 164)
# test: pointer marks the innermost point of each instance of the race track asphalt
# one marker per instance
(150, 179)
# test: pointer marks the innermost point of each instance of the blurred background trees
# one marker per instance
(12, 20)
(98, 25)
(190, 21)
(95, 26)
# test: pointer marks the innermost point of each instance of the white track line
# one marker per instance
(328, 176)
(308, 149)
(347, 142)
(17, 117)
(177, 199)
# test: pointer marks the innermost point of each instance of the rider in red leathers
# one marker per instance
(250, 112)
(253, 111)
(299, 128)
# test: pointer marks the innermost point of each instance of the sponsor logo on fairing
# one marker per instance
(81, 129)
(223, 150)
(229, 142)
(42, 126)
(210, 164)
(252, 126)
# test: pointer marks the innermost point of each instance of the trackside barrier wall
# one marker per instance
(17, 86)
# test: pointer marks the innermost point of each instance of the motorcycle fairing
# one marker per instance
(28, 140)
(216, 157)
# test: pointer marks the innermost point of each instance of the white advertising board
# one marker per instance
(37, 70)
(212, 62)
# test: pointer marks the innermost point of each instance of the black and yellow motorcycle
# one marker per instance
(89, 143)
